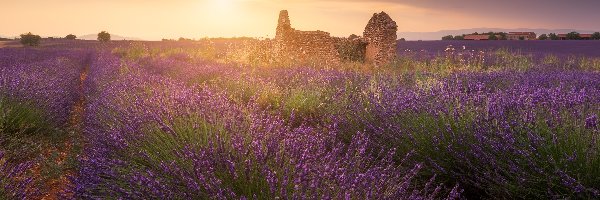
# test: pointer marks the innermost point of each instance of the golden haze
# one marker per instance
(154, 19)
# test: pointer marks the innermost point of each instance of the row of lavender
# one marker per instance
(151, 136)
(500, 134)
(514, 132)
(48, 78)
(37, 89)
(505, 134)
(483, 56)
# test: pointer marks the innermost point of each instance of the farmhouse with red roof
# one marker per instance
(521, 36)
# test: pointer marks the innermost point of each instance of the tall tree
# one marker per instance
(596, 36)
(553, 36)
(503, 36)
(103, 36)
(543, 37)
(573, 36)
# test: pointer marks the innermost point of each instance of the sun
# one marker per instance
(219, 13)
(223, 5)
(220, 9)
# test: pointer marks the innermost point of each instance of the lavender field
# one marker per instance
(535, 48)
(204, 120)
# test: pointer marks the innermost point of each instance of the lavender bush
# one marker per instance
(152, 137)
(48, 78)
(507, 134)
(13, 181)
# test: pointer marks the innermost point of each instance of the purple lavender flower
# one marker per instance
(591, 122)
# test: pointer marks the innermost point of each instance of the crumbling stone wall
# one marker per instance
(303, 45)
(380, 35)
(351, 49)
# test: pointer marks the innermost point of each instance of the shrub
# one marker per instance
(448, 37)
(70, 37)
(30, 39)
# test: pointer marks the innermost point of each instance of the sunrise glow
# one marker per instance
(154, 20)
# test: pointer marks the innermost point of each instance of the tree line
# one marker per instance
(570, 36)
(491, 36)
(30, 39)
(502, 36)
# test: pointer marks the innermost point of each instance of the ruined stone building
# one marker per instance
(380, 35)
(303, 45)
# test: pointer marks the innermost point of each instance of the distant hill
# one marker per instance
(439, 34)
(112, 37)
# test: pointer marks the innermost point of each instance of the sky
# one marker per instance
(157, 19)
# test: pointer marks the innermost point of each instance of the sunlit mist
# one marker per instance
(154, 20)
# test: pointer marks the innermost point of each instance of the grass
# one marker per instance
(304, 103)
(22, 127)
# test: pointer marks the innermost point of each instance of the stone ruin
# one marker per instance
(303, 45)
(380, 36)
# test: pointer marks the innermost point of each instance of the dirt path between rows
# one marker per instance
(61, 156)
